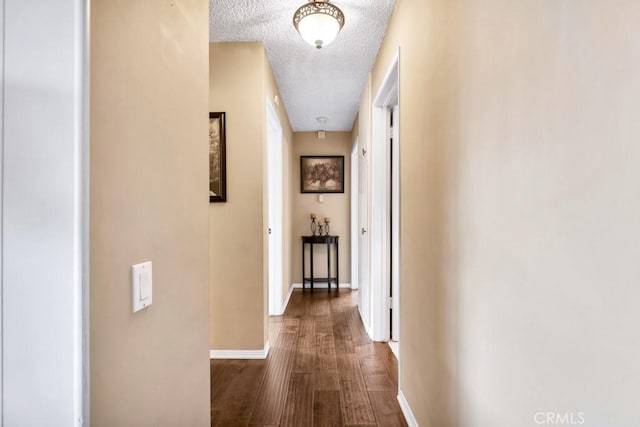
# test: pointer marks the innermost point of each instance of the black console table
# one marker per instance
(323, 240)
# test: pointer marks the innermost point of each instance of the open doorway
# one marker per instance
(385, 210)
(394, 222)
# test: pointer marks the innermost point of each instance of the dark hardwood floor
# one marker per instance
(322, 370)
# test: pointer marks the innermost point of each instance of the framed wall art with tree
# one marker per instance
(322, 174)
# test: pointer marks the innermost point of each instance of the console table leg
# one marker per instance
(328, 266)
(337, 269)
(311, 262)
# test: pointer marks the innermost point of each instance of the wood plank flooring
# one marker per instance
(322, 370)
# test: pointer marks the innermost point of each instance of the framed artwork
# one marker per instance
(217, 158)
(322, 174)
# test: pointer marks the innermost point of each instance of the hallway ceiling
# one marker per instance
(325, 82)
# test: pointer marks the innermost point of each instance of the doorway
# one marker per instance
(385, 209)
(394, 232)
(275, 220)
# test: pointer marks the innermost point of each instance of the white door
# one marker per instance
(355, 231)
(274, 191)
(364, 294)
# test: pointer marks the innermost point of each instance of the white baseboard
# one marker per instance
(393, 345)
(286, 301)
(240, 354)
(406, 410)
(321, 285)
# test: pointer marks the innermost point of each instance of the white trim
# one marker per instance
(366, 327)
(406, 410)
(67, 87)
(240, 354)
(395, 348)
(84, 69)
(379, 273)
(394, 243)
(323, 285)
(2, 131)
(388, 92)
(379, 228)
(286, 302)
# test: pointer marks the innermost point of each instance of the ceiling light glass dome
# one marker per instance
(318, 22)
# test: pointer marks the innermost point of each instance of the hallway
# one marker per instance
(322, 370)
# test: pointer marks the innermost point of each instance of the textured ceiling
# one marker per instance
(313, 82)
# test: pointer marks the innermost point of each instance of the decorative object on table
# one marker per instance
(217, 158)
(314, 225)
(322, 174)
(320, 228)
(318, 22)
(326, 225)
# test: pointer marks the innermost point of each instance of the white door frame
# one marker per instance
(355, 232)
(274, 149)
(387, 96)
(364, 286)
(395, 225)
(44, 213)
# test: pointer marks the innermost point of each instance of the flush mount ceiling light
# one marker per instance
(322, 120)
(318, 22)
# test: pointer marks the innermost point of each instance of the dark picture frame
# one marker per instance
(217, 158)
(322, 174)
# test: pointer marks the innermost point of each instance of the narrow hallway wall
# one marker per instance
(236, 227)
(519, 209)
(240, 82)
(148, 189)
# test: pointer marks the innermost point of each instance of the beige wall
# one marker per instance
(336, 205)
(519, 209)
(149, 203)
(236, 227)
(240, 81)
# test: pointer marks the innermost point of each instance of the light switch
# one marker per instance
(142, 285)
(145, 285)
(321, 198)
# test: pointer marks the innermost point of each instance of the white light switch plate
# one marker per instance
(141, 285)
